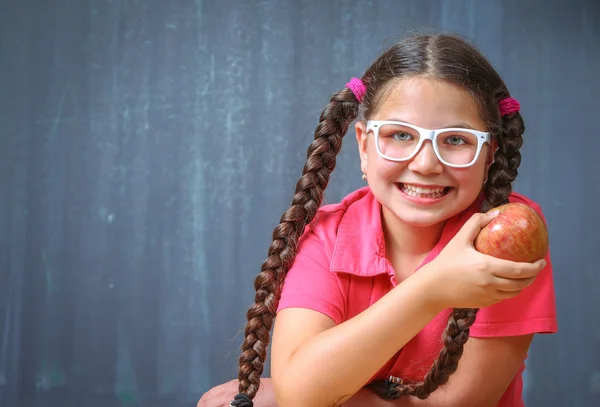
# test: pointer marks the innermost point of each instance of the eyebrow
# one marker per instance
(458, 125)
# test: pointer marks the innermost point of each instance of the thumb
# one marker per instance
(478, 221)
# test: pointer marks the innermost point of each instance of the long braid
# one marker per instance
(321, 160)
(497, 189)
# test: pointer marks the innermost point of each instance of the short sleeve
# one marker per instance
(532, 311)
(310, 283)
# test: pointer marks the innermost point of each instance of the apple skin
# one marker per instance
(517, 233)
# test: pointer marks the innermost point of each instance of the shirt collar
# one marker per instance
(360, 244)
(360, 247)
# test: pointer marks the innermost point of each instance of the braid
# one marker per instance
(497, 190)
(507, 159)
(455, 336)
(321, 160)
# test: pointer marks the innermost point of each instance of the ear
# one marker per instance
(362, 138)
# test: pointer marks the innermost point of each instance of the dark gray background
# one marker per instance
(149, 147)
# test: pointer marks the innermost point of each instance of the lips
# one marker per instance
(422, 191)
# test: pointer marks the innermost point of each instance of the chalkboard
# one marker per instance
(148, 149)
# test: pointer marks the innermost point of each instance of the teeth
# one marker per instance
(422, 192)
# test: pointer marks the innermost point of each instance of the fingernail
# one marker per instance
(543, 263)
(493, 213)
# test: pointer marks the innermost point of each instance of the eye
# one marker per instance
(401, 136)
(456, 140)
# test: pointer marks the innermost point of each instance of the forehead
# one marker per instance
(429, 103)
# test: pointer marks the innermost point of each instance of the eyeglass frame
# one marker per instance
(427, 134)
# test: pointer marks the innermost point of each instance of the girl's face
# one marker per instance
(410, 190)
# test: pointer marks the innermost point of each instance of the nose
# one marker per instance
(425, 161)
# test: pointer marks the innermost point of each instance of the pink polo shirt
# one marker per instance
(340, 270)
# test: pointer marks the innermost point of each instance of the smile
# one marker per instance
(426, 193)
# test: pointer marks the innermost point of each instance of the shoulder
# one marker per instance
(329, 217)
(309, 283)
(344, 237)
(522, 198)
(517, 197)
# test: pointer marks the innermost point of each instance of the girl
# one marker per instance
(377, 295)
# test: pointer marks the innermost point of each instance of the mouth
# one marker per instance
(424, 192)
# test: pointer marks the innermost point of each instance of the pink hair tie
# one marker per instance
(508, 106)
(357, 87)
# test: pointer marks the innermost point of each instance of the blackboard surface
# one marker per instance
(149, 147)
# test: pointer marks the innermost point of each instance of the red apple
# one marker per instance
(517, 233)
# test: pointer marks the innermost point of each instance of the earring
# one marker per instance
(364, 176)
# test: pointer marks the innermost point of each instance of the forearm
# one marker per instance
(411, 401)
(342, 359)
(442, 397)
(366, 397)
(439, 398)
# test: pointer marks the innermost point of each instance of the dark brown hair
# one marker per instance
(445, 57)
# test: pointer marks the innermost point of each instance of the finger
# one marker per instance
(478, 221)
(515, 270)
(506, 295)
(512, 285)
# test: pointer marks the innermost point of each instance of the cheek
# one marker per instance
(471, 180)
(371, 149)
(382, 168)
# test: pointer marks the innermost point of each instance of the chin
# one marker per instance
(423, 220)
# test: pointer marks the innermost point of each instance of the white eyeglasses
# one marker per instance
(454, 147)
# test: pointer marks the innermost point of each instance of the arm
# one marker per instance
(499, 342)
(348, 354)
(221, 395)
(315, 362)
(485, 370)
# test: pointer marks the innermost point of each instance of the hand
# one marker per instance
(221, 395)
(462, 277)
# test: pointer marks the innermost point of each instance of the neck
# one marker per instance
(404, 239)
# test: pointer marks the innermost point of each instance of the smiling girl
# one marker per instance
(381, 299)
